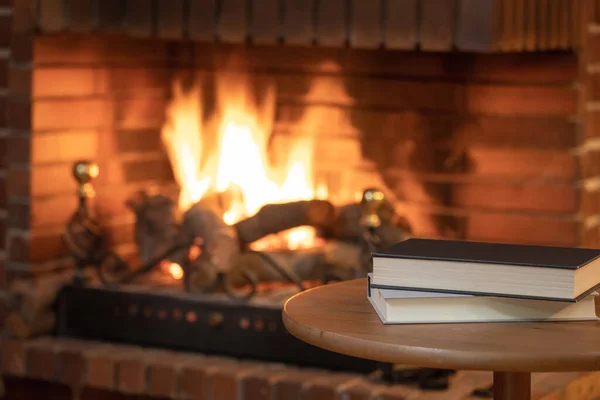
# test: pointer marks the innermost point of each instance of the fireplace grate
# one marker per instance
(210, 324)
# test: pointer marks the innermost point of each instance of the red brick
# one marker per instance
(52, 211)
(224, 383)
(18, 248)
(68, 82)
(194, 377)
(591, 124)
(328, 387)
(591, 164)
(3, 73)
(18, 214)
(20, 81)
(193, 382)
(131, 374)
(3, 111)
(591, 237)
(592, 48)
(521, 100)
(71, 114)
(42, 362)
(100, 369)
(592, 87)
(3, 194)
(18, 114)
(516, 197)
(523, 164)
(20, 150)
(23, 16)
(3, 222)
(48, 180)
(72, 367)
(5, 30)
(163, 379)
(291, 386)
(5, 307)
(18, 183)
(21, 47)
(521, 229)
(3, 152)
(259, 385)
(46, 246)
(94, 49)
(590, 202)
(14, 359)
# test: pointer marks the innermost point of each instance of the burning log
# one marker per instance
(156, 228)
(217, 202)
(32, 302)
(274, 218)
(219, 240)
(288, 266)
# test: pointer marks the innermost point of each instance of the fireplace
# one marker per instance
(470, 127)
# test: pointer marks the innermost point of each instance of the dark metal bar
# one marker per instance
(206, 323)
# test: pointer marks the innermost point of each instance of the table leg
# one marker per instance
(512, 386)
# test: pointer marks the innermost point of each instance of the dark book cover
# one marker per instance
(491, 253)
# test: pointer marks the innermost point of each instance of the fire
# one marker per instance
(176, 271)
(229, 154)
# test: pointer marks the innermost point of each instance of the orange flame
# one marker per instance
(236, 159)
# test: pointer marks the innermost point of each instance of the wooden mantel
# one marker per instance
(427, 25)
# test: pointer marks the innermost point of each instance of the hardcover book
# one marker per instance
(418, 307)
(537, 272)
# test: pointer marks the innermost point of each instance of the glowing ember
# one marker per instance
(235, 161)
(172, 268)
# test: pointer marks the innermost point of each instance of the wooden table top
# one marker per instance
(338, 317)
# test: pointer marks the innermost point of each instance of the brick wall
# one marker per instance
(5, 30)
(64, 369)
(93, 99)
(589, 113)
(482, 147)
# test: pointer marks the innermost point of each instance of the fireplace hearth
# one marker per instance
(240, 152)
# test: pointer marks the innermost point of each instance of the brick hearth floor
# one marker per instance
(99, 369)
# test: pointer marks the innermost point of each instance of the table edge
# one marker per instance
(418, 356)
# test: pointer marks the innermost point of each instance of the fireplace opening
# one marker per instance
(254, 162)
(178, 189)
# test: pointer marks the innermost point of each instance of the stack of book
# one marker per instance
(445, 281)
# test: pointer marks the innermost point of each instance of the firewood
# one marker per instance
(219, 240)
(274, 218)
(20, 328)
(279, 266)
(217, 202)
(156, 227)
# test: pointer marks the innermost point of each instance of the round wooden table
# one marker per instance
(338, 317)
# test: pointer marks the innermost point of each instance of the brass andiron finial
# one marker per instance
(372, 200)
(84, 173)
(83, 235)
(370, 221)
